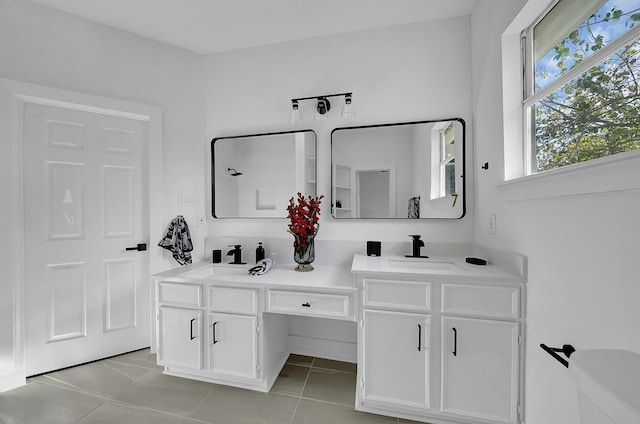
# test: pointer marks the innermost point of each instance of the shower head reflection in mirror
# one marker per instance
(274, 166)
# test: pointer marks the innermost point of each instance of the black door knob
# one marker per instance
(140, 247)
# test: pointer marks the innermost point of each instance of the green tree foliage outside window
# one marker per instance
(597, 113)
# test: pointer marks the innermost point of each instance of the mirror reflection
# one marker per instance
(254, 176)
(404, 170)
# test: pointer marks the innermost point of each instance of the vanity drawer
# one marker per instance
(415, 296)
(495, 302)
(233, 299)
(310, 304)
(179, 294)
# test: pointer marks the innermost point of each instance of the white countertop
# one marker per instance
(340, 277)
(323, 276)
(442, 266)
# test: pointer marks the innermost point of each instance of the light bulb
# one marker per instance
(322, 108)
(295, 115)
(347, 109)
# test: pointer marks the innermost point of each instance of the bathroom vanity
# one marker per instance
(216, 323)
(438, 339)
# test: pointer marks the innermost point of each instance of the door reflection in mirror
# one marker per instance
(399, 170)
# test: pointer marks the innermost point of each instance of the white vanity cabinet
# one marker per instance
(233, 345)
(481, 351)
(181, 337)
(213, 332)
(480, 368)
(439, 348)
(395, 363)
(180, 323)
(394, 343)
(217, 323)
(233, 332)
(311, 303)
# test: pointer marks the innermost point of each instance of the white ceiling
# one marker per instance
(211, 26)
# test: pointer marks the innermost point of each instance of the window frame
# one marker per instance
(446, 160)
(530, 97)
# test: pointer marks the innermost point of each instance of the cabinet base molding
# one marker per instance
(262, 385)
(426, 416)
(322, 348)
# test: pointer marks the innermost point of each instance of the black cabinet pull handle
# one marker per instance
(214, 332)
(419, 337)
(140, 247)
(455, 341)
(306, 305)
(191, 329)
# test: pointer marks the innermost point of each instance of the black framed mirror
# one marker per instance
(408, 170)
(254, 176)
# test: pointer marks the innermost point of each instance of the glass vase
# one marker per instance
(304, 255)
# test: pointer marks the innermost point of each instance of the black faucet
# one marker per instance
(237, 254)
(417, 244)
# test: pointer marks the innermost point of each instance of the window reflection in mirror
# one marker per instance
(403, 170)
(254, 176)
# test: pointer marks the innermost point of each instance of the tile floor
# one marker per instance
(131, 389)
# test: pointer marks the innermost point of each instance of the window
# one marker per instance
(447, 162)
(443, 160)
(582, 83)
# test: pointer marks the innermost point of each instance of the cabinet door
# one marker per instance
(180, 337)
(396, 358)
(480, 363)
(233, 345)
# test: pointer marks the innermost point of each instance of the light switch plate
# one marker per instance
(492, 223)
(187, 199)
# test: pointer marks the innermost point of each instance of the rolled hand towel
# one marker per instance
(262, 267)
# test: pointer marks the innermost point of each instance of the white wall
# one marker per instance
(226, 198)
(397, 74)
(583, 250)
(266, 167)
(42, 46)
(48, 48)
(422, 181)
(583, 268)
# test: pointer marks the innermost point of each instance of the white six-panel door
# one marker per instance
(86, 296)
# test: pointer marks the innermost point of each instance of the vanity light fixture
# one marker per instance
(323, 106)
(296, 115)
(347, 109)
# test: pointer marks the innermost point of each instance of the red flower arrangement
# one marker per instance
(303, 216)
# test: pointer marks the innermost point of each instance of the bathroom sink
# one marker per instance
(423, 263)
(213, 270)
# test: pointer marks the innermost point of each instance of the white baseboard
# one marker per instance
(322, 348)
(11, 380)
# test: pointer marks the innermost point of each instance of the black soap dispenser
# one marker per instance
(259, 252)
